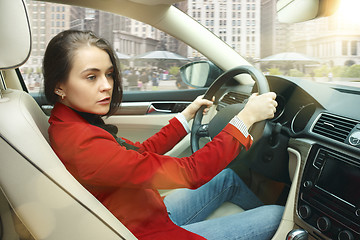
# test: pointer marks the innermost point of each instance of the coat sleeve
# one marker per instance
(95, 158)
(164, 140)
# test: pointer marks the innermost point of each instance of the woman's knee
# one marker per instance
(273, 212)
(229, 175)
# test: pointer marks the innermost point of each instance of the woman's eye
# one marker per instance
(91, 77)
(110, 75)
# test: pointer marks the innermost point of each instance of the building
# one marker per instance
(274, 35)
(236, 22)
(131, 44)
(46, 21)
(333, 38)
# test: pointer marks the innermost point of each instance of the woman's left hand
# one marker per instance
(190, 111)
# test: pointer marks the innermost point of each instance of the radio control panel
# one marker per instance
(329, 197)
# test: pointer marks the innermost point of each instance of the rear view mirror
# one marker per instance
(200, 74)
(293, 11)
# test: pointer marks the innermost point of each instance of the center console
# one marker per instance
(329, 196)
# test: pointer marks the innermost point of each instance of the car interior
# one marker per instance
(306, 160)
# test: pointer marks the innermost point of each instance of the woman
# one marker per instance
(82, 79)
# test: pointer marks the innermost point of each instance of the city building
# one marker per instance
(235, 21)
(49, 19)
(274, 35)
(334, 37)
(46, 21)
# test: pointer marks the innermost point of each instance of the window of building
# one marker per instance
(354, 48)
(344, 48)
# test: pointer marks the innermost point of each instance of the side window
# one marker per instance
(149, 59)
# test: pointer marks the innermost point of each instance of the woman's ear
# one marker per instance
(58, 91)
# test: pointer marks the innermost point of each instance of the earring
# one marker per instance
(60, 94)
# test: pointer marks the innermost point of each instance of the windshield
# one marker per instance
(321, 50)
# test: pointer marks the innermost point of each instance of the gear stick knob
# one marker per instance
(297, 234)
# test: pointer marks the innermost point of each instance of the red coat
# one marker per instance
(126, 181)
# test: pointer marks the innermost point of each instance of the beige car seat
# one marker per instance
(36, 189)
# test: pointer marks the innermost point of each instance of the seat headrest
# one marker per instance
(15, 40)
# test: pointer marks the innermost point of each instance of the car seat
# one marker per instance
(36, 189)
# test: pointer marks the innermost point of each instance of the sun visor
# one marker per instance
(15, 40)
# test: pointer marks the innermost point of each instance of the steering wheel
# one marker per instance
(219, 121)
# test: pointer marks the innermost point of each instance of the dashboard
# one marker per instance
(322, 122)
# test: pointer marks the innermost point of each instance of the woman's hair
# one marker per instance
(58, 61)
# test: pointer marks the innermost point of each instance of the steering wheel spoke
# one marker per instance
(203, 131)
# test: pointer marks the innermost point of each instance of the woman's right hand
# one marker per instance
(258, 108)
(190, 111)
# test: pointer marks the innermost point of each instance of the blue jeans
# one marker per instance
(190, 208)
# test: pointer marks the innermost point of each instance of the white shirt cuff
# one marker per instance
(239, 124)
(183, 121)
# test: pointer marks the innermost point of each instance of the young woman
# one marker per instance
(83, 81)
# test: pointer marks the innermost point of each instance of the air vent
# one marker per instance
(231, 98)
(334, 127)
(320, 159)
(234, 97)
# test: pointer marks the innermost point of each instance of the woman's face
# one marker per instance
(90, 83)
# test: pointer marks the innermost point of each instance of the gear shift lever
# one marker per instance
(297, 234)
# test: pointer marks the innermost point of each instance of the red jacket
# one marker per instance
(126, 181)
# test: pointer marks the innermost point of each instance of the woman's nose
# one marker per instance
(106, 84)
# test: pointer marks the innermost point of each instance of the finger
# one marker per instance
(200, 97)
(275, 103)
(274, 109)
(207, 102)
(206, 110)
(272, 95)
(271, 113)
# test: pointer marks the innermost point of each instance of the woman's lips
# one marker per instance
(105, 101)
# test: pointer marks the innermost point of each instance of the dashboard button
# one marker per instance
(357, 212)
(304, 211)
(308, 184)
(323, 224)
(345, 235)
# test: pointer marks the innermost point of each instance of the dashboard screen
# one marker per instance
(341, 179)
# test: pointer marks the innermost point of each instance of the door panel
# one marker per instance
(139, 127)
(153, 96)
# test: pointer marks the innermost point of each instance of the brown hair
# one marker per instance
(58, 59)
